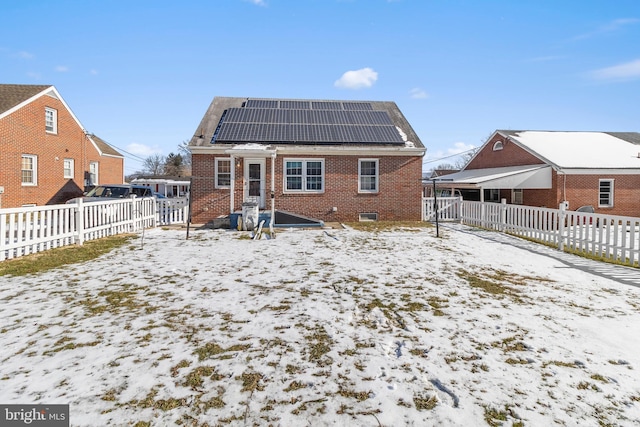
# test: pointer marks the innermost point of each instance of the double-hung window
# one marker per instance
(51, 120)
(93, 174)
(29, 169)
(368, 175)
(68, 168)
(304, 175)
(223, 173)
(605, 193)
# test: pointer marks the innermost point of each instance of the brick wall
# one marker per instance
(23, 132)
(399, 196)
(510, 155)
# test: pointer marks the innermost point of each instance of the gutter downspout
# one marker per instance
(273, 193)
(233, 182)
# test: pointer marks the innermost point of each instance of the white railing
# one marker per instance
(28, 230)
(616, 238)
(448, 208)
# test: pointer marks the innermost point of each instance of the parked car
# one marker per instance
(114, 191)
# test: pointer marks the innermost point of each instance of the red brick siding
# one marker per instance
(399, 196)
(510, 155)
(23, 132)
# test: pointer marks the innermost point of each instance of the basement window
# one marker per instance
(368, 216)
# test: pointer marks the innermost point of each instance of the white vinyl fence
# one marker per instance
(616, 238)
(28, 230)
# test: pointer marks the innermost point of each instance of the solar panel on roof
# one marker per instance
(326, 105)
(262, 103)
(357, 106)
(295, 105)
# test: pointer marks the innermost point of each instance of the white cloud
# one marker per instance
(142, 149)
(417, 93)
(25, 55)
(258, 2)
(34, 75)
(609, 27)
(93, 72)
(626, 71)
(358, 79)
(62, 68)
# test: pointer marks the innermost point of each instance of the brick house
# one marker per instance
(328, 160)
(46, 156)
(545, 168)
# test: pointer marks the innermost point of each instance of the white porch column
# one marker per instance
(233, 182)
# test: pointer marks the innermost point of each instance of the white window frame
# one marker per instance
(304, 176)
(68, 166)
(51, 120)
(93, 173)
(609, 194)
(498, 145)
(218, 173)
(376, 176)
(517, 196)
(33, 170)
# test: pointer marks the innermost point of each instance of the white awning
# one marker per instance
(521, 177)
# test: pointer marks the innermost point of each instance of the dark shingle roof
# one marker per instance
(303, 122)
(104, 147)
(12, 95)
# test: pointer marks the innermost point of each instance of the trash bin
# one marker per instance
(250, 213)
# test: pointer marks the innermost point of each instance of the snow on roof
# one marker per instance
(580, 149)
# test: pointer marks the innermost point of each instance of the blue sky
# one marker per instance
(141, 74)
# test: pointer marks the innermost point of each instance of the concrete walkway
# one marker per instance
(619, 273)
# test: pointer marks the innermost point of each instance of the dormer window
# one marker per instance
(51, 120)
(498, 146)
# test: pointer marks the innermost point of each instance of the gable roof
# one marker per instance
(580, 150)
(103, 147)
(12, 96)
(237, 121)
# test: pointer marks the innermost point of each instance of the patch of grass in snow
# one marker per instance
(251, 381)
(319, 344)
(195, 378)
(213, 350)
(59, 257)
(496, 417)
(425, 403)
(182, 364)
(479, 281)
(66, 343)
(512, 343)
(115, 301)
(295, 385)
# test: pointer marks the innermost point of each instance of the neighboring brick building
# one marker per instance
(545, 168)
(46, 156)
(329, 160)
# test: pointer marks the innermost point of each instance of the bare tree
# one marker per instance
(154, 165)
(183, 150)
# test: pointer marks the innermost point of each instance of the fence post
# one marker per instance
(503, 214)
(80, 221)
(562, 215)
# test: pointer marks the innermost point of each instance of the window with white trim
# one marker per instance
(68, 168)
(304, 175)
(51, 120)
(93, 174)
(223, 172)
(368, 175)
(605, 193)
(516, 196)
(29, 169)
(498, 145)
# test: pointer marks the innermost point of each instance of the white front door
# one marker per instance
(254, 180)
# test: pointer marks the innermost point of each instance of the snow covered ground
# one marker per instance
(341, 328)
